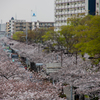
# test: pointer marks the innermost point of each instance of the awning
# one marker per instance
(39, 64)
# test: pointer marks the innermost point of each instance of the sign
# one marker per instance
(39, 64)
(34, 16)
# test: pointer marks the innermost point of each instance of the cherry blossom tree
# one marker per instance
(83, 77)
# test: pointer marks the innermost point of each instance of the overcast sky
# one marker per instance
(21, 9)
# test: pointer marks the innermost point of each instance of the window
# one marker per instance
(67, 3)
(97, 4)
(75, 3)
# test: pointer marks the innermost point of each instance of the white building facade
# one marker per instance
(97, 7)
(65, 9)
(39, 24)
(11, 26)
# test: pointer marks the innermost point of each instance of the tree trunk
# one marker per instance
(76, 58)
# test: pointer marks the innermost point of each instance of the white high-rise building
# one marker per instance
(67, 8)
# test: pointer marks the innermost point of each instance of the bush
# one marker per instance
(65, 84)
(95, 98)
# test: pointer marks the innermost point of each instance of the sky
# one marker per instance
(21, 10)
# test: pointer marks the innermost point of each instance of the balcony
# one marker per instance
(72, 5)
(60, 13)
(72, 12)
(76, 11)
(79, 11)
(64, 23)
(63, 13)
(57, 7)
(83, 4)
(63, 7)
(63, 0)
(56, 18)
(55, 24)
(76, 5)
(62, 18)
(83, 11)
(60, 1)
(60, 7)
(57, 13)
(69, 12)
(79, 5)
(66, 6)
(59, 24)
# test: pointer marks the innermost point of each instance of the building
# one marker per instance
(97, 7)
(11, 26)
(21, 25)
(7, 28)
(2, 30)
(2, 27)
(67, 8)
(17, 25)
(39, 24)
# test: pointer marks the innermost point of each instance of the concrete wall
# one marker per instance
(86, 6)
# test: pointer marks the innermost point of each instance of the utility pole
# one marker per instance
(71, 92)
(61, 58)
(26, 46)
(26, 36)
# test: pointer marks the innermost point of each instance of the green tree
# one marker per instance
(19, 36)
(89, 37)
(67, 33)
(55, 40)
(36, 35)
(30, 36)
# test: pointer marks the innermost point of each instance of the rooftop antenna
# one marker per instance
(31, 15)
(15, 16)
(36, 11)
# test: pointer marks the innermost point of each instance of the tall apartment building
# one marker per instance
(97, 7)
(67, 8)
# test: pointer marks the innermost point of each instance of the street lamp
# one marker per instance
(71, 92)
